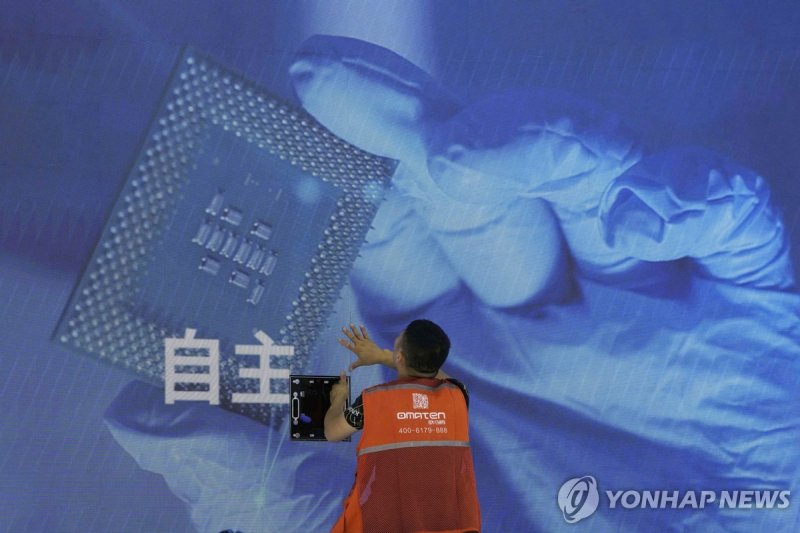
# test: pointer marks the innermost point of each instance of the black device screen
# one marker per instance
(310, 400)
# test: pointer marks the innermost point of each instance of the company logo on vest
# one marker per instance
(578, 498)
(420, 400)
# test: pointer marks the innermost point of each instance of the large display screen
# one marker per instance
(597, 202)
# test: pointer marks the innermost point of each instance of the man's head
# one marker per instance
(422, 347)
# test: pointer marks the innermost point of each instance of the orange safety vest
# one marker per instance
(414, 472)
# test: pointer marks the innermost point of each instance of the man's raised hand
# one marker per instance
(367, 352)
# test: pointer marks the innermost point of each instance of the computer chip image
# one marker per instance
(241, 214)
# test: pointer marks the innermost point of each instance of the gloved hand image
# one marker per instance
(617, 312)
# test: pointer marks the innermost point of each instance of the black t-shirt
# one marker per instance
(355, 413)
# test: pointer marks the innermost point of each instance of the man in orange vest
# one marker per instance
(414, 470)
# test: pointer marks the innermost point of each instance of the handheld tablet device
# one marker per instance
(311, 398)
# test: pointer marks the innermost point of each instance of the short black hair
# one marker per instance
(425, 346)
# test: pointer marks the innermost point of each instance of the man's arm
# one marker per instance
(368, 353)
(336, 427)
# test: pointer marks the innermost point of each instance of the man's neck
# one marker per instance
(415, 375)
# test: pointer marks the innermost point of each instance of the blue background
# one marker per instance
(80, 81)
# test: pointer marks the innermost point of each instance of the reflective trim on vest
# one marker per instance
(443, 385)
(413, 444)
